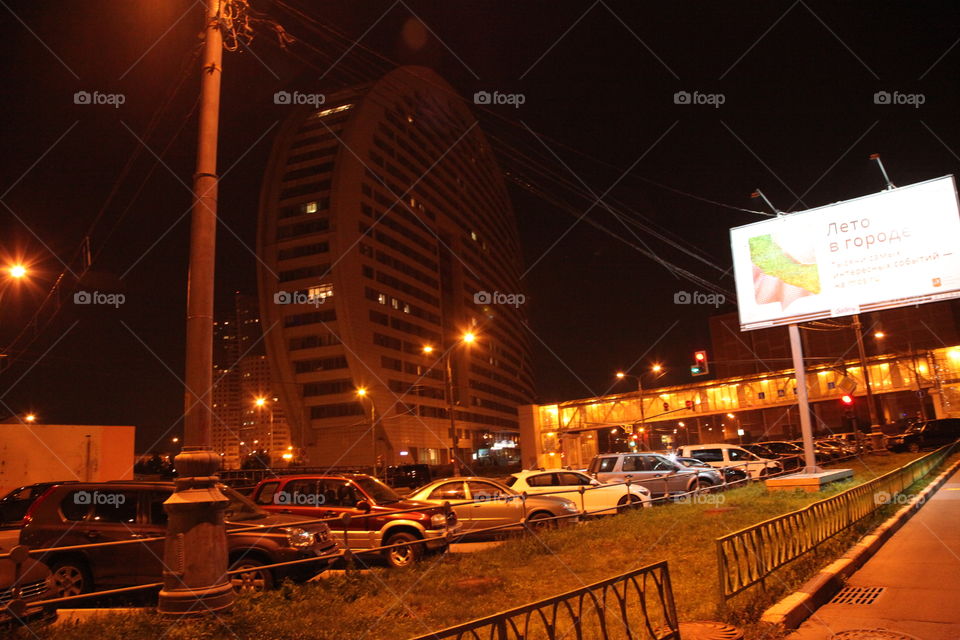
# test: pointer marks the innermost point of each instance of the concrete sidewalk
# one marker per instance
(918, 569)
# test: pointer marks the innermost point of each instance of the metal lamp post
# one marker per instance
(467, 338)
(362, 393)
(195, 550)
(639, 378)
(260, 403)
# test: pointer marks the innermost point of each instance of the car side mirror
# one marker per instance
(364, 506)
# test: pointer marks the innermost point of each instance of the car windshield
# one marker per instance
(510, 481)
(913, 428)
(379, 492)
(240, 508)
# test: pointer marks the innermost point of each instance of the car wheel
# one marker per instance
(541, 521)
(71, 577)
(252, 579)
(629, 502)
(913, 447)
(402, 556)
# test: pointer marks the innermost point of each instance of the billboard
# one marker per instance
(889, 249)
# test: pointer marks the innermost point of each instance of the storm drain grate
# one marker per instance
(857, 595)
(872, 634)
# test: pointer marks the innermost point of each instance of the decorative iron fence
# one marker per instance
(747, 557)
(634, 605)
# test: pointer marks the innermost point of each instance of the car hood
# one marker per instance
(271, 520)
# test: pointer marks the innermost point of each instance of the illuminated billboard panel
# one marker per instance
(890, 249)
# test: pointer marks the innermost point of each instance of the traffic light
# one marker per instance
(701, 365)
(689, 405)
(666, 406)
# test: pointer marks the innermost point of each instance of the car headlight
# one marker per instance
(569, 506)
(438, 520)
(297, 537)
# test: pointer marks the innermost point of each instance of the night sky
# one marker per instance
(798, 120)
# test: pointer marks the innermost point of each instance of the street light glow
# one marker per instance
(30, 417)
(469, 337)
(621, 374)
(427, 349)
(656, 368)
(18, 271)
(879, 335)
(260, 401)
(361, 391)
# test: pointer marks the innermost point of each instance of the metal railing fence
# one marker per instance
(747, 557)
(636, 605)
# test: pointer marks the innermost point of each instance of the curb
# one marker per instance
(817, 591)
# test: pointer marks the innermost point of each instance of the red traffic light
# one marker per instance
(846, 399)
(700, 356)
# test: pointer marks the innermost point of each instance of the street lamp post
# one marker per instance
(466, 338)
(262, 402)
(362, 393)
(639, 378)
(195, 550)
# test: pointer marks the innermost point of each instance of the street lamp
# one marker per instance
(656, 368)
(30, 418)
(467, 338)
(362, 393)
(17, 271)
(260, 403)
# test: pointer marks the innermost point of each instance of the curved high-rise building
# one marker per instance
(385, 236)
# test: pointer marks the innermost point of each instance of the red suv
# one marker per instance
(372, 507)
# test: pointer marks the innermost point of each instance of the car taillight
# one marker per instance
(28, 516)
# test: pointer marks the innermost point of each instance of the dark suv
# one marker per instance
(929, 434)
(81, 513)
(371, 506)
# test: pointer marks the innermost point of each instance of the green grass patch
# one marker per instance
(454, 588)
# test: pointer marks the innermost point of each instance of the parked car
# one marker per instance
(409, 476)
(782, 447)
(831, 450)
(14, 505)
(372, 507)
(929, 434)
(659, 474)
(33, 584)
(598, 498)
(714, 477)
(847, 449)
(81, 513)
(481, 503)
(787, 460)
(730, 455)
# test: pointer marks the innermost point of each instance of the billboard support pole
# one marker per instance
(796, 350)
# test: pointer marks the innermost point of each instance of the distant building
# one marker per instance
(241, 429)
(385, 227)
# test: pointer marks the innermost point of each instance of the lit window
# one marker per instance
(382, 299)
(473, 235)
(406, 308)
(309, 207)
(320, 292)
(395, 303)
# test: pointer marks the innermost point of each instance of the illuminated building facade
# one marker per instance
(763, 406)
(383, 221)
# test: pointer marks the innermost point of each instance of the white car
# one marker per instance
(730, 455)
(597, 499)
